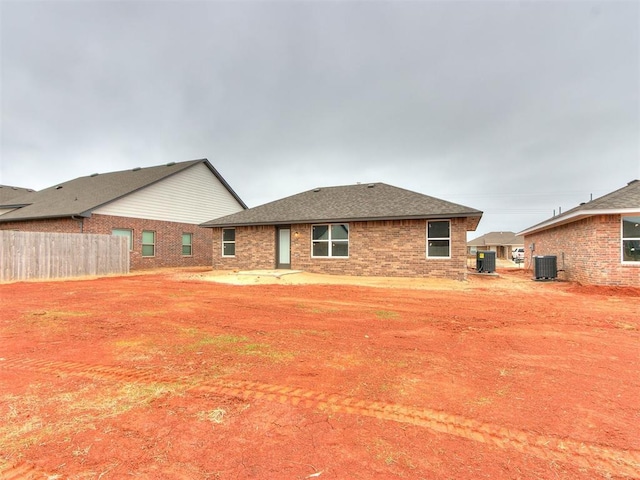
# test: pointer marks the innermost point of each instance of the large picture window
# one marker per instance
(439, 239)
(330, 240)
(187, 244)
(148, 243)
(124, 232)
(228, 242)
(631, 239)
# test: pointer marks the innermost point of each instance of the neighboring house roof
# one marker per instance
(622, 201)
(79, 197)
(362, 202)
(497, 238)
(8, 194)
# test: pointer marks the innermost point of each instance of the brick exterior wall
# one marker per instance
(380, 248)
(588, 251)
(168, 251)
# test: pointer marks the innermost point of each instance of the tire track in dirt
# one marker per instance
(586, 455)
(20, 471)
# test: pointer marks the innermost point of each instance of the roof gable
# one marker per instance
(623, 200)
(361, 202)
(79, 197)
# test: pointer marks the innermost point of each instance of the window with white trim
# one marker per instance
(124, 232)
(228, 242)
(330, 240)
(439, 239)
(148, 243)
(631, 239)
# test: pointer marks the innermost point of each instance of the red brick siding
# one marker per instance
(381, 248)
(168, 252)
(255, 249)
(588, 251)
(50, 225)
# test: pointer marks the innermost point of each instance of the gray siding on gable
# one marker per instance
(192, 196)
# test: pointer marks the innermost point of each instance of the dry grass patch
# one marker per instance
(31, 418)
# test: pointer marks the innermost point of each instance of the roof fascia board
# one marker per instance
(224, 182)
(573, 217)
(15, 205)
(45, 217)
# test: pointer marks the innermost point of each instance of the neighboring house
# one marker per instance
(8, 194)
(364, 229)
(502, 243)
(157, 208)
(595, 243)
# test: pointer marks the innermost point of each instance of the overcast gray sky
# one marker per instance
(514, 108)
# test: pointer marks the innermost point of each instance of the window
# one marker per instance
(124, 232)
(439, 239)
(148, 243)
(330, 240)
(631, 239)
(187, 244)
(228, 242)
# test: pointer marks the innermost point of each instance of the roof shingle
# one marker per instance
(80, 196)
(622, 200)
(375, 201)
(8, 194)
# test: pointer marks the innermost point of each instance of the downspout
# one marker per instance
(80, 221)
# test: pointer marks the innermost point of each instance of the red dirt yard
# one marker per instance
(170, 375)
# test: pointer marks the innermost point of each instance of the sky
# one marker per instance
(515, 108)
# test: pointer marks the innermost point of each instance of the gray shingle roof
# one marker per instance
(80, 196)
(376, 201)
(625, 199)
(8, 194)
(497, 238)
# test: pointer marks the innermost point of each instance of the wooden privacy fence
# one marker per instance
(38, 255)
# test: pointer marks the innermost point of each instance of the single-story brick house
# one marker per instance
(158, 208)
(364, 229)
(595, 243)
(500, 242)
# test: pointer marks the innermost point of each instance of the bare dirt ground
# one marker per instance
(194, 374)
